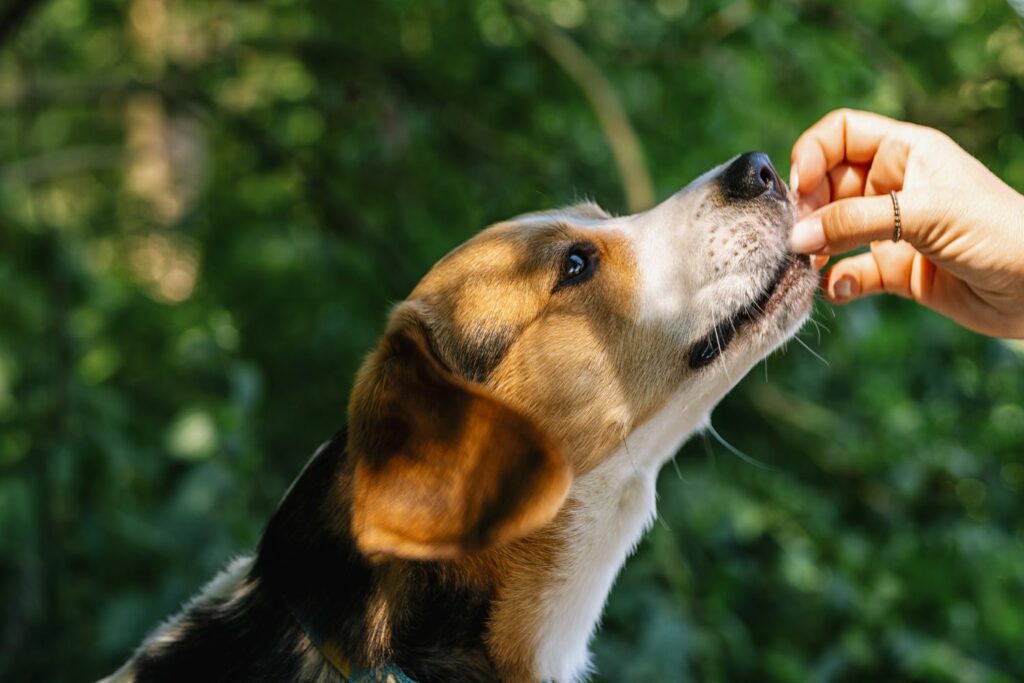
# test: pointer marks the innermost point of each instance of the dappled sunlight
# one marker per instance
(208, 208)
(167, 265)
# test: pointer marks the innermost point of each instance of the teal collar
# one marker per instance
(353, 673)
(387, 673)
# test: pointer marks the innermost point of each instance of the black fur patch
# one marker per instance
(323, 579)
(309, 580)
(478, 352)
(250, 639)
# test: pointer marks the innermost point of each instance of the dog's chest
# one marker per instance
(612, 507)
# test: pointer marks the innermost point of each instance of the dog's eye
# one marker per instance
(577, 265)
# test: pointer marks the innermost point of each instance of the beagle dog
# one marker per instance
(502, 447)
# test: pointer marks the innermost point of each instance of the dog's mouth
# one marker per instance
(714, 344)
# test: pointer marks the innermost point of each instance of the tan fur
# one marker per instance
(442, 468)
(384, 611)
(488, 339)
(505, 436)
(516, 613)
(587, 337)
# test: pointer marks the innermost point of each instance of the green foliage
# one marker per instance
(207, 208)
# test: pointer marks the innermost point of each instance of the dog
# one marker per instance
(502, 446)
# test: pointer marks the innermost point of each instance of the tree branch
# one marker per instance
(598, 90)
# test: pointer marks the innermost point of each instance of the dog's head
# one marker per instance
(530, 353)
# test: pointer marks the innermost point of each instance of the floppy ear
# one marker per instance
(442, 468)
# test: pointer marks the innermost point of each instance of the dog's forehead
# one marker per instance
(508, 269)
(503, 263)
(479, 298)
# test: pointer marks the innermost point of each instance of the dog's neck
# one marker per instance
(608, 510)
(532, 616)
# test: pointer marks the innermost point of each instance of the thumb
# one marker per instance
(850, 223)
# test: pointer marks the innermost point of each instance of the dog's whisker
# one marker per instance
(811, 351)
(723, 366)
(750, 460)
(708, 450)
(679, 473)
(818, 326)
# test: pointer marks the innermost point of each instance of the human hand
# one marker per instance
(962, 248)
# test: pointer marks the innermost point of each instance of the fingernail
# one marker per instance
(843, 288)
(819, 261)
(794, 179)
(808, 236)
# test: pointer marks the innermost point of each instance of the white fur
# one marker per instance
(694, 262)
(667, 247)
(614, 505)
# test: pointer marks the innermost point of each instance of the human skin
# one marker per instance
(962, 247)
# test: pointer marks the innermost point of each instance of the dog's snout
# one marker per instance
(750, 176)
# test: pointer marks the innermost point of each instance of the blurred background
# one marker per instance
(207, 208)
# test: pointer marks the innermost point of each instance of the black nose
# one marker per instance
(750, 176)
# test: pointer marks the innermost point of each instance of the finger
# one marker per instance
(887, 170)
(847, 180)
(808, 204)
(902, 270)
(850, 223)
(888, 267)
(842, 135)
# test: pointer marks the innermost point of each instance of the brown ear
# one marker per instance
(441, 468)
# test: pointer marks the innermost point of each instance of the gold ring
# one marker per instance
(897, 230)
